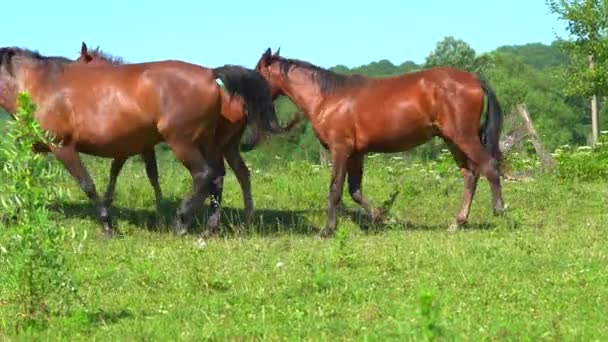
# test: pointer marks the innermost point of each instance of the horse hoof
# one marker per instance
(108, 233)
(326, 232)
(180, 230)
(454, 227)
(499, 209)
(377, 216)
(213, 222)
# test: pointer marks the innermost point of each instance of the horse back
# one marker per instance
(400, 112)
(97, 106)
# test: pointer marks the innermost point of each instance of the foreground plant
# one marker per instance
(34, 277)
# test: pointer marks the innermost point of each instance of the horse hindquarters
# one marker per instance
(466, 143)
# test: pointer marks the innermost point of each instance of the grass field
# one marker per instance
(539, 273)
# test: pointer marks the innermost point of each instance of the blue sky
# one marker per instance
(325, 33)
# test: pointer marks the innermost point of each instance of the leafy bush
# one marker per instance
(585, 162)
(33, 277)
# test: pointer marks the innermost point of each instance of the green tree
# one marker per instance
(587, 74)
(557, 121)
(456, 53)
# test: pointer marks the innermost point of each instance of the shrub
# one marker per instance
(34, 277)
(585, 162)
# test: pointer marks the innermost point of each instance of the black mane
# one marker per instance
(329, 81)
(7, 54)
(97, 52)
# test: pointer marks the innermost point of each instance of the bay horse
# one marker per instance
(149, 157)
(229, 132)
(116, 111)
(352, 115)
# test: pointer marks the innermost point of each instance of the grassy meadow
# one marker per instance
(538, 273)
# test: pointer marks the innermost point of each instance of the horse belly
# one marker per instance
(395, 134)
(118, 144)
(392, 143)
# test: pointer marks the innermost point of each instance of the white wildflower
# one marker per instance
(200, 243)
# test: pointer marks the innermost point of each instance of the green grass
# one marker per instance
(539, 273)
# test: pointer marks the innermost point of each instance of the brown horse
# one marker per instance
(7, 103)
(353, 115)
(229, 132)
(149, 156)
(116, 111)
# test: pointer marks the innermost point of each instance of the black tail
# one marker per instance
(297, 117)
(255, 91)
(491, 128)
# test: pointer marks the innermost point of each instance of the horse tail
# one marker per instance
(258, 103)
(491, 128)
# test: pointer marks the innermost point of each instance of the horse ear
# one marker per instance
(84, 50)
(266, 56)
(276, 54)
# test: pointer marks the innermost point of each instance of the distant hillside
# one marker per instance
(379, 69)
(537, 55)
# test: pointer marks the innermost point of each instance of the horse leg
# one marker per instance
(237, 164)
(471, 179)
(203, 171)
(215, 191)
(72, 162)
(152, 172)
(486, 165)
(354, 170)
(338, 172)
(115, 169)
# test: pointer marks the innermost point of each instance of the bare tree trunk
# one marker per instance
(594, 115)
(518, 134)
(545, 157)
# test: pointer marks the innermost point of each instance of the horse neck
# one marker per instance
(10, 86)
(32, 75)
(301, 89)
(8, 96)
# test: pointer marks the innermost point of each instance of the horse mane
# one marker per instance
(7, 54)
(31, 54)
(98, 53)
(327, 80)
